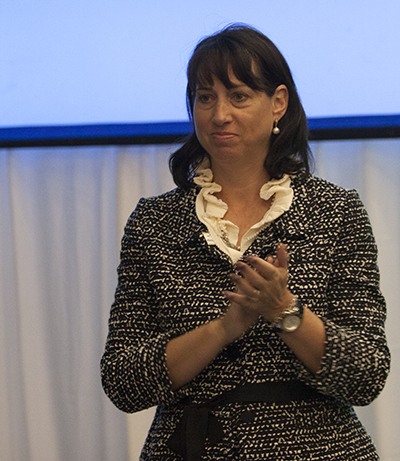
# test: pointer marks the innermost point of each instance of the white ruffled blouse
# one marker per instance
(211, 210)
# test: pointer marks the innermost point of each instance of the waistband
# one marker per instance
(198, 423)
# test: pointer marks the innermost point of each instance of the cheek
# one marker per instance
(199, 124)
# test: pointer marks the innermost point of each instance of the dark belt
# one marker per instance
(198, 423)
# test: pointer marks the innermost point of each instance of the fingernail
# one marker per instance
(239, 264)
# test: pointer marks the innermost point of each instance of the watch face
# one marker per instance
(291, 323)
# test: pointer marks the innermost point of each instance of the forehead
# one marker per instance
(231, 81)
(230, 69)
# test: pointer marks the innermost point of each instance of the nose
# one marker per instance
(222, 112)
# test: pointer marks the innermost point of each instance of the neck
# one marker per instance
(239, 183)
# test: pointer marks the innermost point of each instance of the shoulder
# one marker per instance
(164, 203)
(328, 203)
(163, 212)
(323, 193)
(313, 185)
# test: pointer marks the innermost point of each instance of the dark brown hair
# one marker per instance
(243, 49)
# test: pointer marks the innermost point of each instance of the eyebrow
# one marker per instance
(210, 88)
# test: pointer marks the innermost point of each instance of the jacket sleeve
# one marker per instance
(356, 360)
(133, 367)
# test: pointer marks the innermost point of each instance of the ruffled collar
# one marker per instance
(211, 210)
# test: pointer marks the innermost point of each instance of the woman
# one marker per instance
(248, 306)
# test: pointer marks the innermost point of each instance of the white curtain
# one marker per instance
(62, 213)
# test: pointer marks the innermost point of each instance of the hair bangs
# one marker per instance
(245, 53)
(219, 61)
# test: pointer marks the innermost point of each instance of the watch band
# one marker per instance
(290, 319)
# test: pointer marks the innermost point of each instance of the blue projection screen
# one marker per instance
(97, 62)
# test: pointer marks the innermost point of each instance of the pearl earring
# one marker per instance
(276, 130)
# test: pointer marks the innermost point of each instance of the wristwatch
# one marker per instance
(290, 319)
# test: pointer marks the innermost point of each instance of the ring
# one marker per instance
(255, 295)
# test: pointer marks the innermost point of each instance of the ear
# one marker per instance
(280, 101)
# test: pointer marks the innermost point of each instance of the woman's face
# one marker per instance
(234, 122)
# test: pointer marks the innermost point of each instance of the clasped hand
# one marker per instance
(261, 289)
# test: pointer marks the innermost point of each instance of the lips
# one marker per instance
(223, 135)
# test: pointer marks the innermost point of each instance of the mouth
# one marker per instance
(223, 135)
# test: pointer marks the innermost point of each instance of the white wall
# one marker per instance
(96, 61)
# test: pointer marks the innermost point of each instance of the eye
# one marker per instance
(240, 97)
(203, 98)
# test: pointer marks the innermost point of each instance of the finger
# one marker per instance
(270, 259)
(250, 273)
(248, 293)
(263, 268)
(245, 288)
(243, 300)
(282, 256)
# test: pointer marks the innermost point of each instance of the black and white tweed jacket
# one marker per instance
(171, 281)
